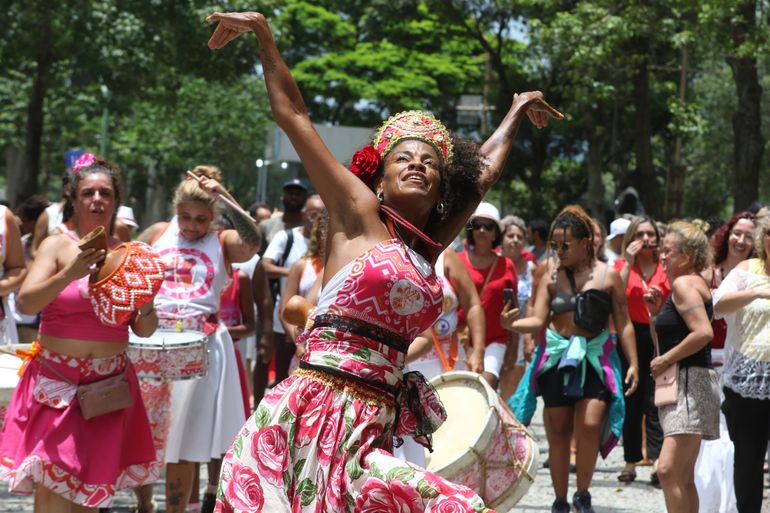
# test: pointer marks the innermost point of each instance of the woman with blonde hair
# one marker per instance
(204, 413)
(683, 329)
(575, 367)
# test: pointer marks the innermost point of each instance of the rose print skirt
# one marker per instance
(319, 444)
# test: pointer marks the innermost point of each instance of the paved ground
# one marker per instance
(608, 494)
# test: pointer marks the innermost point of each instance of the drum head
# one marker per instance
(466, 398)
(163, 337)
(9, 371)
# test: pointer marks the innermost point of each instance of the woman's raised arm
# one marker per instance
(340, 190)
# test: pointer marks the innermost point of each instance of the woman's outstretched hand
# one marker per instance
(231, 25)
(538, 110)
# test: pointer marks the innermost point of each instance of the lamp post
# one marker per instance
(262, 166)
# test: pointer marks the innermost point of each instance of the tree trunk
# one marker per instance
(644, 179)
(595, 192)
(35, 112)
(676, 174)
(14, 173)
(749, 143)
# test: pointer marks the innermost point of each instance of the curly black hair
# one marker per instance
(460, 184)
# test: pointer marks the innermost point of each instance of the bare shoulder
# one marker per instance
(689, 287)
(151, 233)
(742, 265)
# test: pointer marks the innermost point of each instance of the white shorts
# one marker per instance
(493, 358)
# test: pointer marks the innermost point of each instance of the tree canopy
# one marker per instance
(663, 96)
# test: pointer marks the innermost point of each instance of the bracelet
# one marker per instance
(665, 359)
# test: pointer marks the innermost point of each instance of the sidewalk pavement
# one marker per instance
(609, 495)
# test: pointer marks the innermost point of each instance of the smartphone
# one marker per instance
(509, 296)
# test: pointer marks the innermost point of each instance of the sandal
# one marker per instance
(627, 476)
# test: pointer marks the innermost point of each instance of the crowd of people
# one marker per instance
(313, 316)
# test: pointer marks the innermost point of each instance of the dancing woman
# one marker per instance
(319, 440)
(576, 367)
(47, 446)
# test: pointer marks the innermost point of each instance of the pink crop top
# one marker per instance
(71, 315)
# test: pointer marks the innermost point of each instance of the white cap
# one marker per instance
(126, 216)
(487, 211)
(618, 227)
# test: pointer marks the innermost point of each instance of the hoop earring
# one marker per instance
(441, 209)
(380, 196)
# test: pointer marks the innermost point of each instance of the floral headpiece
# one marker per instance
(412, 124)
(85, 160)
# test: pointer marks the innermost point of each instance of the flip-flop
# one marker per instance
(627, 476)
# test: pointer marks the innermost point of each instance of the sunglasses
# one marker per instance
(563, 245)
(477, 225)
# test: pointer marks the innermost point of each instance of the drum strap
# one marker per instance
(448, 364)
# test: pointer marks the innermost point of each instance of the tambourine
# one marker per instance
(130, 276)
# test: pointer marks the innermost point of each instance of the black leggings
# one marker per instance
(747, 422)
(641, 402)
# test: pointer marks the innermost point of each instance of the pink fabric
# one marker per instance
(86, 461)
(230, 314)
(312, 446)
(71, 315)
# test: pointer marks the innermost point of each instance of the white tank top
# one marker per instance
(308, 278)
(195, 275)
(55, 216)
(446, 324)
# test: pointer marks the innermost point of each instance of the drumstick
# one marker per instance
(8, 350)
(221, 197)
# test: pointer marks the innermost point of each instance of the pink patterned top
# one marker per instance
(367, 315)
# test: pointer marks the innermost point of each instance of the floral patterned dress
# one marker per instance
(320, 441)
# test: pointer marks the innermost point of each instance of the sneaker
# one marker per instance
(581, 501)
(560, 506)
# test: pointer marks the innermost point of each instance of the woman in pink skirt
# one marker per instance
(320, 441)
(47, 447)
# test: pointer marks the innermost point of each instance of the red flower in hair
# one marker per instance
(365, 163)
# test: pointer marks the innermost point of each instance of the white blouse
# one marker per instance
(746, 369)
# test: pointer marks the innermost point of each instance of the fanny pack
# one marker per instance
(99, 397)
(592, 307)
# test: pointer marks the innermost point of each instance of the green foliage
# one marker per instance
(172, 103)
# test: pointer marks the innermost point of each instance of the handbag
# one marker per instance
(592, 307)
(105, 396)
(100, 397)
(667, 386)
(667, 383)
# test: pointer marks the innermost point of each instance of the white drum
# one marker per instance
(169, 355)
(481, 445)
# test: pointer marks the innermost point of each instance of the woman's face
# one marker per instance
(513, 241)
(194, 219)
(484, 232)
(671, 257)
(741, 239)
(647, 233)
(571, 251)
(95, 198)
(412, 175)
(598, 239)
